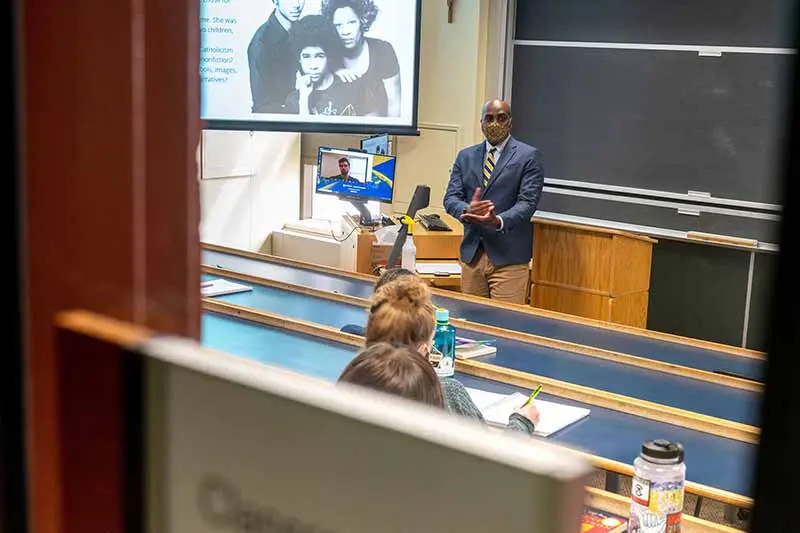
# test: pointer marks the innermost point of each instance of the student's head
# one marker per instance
(344, 166)
(402, 313)
(351, 18)
(316, 46)
(398, 370)
(289, 9)
(391, 274)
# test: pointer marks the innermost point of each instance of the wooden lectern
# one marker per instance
(591, 272)
(432, 246)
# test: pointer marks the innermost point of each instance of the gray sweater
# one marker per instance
(458, 400)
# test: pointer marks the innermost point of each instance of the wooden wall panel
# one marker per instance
(13, 500)
(571, 301)
(591, 272)
(172, 134)
(630, 309)
(632, 262)
(571, 257)
(109, 128)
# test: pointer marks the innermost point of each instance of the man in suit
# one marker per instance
(494, 189)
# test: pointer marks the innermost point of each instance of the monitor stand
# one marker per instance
(365, 218)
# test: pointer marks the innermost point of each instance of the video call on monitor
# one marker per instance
(355, 175)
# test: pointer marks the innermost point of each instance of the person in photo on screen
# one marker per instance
(344, 172)
(272, 72)
(317, 91)
(371, 60)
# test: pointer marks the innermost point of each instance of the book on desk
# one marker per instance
(470, 349)
(594, 521)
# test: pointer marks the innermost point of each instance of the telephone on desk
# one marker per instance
(433, 222)
(369, 221)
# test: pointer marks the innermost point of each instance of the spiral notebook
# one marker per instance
(496, 409)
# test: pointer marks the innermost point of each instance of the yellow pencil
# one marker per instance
(533, 395)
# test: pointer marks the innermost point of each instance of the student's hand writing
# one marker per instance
(530, 412)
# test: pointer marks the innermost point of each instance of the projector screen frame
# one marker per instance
(316, 127)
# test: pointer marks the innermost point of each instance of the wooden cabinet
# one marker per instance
(591, 272)
(432, 246)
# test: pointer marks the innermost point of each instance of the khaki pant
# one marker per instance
(508, 283)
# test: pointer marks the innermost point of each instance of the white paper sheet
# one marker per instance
(496, 409)
(450, 268)
(221, 287)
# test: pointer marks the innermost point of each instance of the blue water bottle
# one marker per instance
(444, 342)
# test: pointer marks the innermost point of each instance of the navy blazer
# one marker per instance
(515, 188)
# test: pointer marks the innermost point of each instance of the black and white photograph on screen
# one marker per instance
(318, 90)
(272, 71)
(324, 63)
(310, 60)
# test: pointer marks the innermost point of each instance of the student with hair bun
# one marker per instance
(388, 275)
(391, 274)
(402, 313)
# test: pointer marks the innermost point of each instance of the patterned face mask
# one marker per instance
(495, 132)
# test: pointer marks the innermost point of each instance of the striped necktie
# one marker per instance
(488, 167)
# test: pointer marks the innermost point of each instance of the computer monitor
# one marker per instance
(378, 144)
(355, 176)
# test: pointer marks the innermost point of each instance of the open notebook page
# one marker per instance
(496, 409)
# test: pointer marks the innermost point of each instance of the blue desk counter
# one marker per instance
(618, 341)
(666, 389)
(713, 461)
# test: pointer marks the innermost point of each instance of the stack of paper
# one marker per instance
(496, 409)
(439, 269)
(221, 287)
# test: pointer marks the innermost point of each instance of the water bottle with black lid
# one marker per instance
(659, 476)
